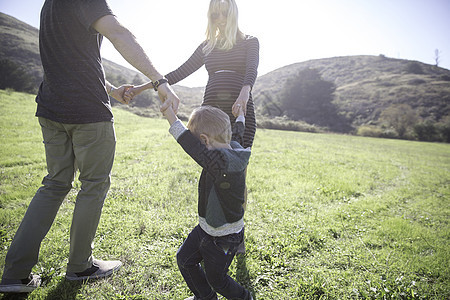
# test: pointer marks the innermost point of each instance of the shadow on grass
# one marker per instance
(65, 290)
(242, 274)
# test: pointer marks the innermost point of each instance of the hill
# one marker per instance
(367, 85)
(372, 93)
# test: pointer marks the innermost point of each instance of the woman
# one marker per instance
(231, 59)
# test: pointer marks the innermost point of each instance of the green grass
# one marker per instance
(329, 216)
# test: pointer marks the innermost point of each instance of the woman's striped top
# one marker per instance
(228, 72)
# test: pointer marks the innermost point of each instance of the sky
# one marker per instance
(289, 31)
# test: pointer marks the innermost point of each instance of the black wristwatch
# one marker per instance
(157, 83)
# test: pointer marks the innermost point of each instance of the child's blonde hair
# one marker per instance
(210, 121)
(222, 40)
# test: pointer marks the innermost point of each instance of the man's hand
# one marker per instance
(130, 94)
(119, 93)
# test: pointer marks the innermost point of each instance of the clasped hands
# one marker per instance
(125, 94)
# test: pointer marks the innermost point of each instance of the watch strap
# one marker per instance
(157, 83)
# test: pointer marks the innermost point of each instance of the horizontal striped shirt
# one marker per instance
(229, 71)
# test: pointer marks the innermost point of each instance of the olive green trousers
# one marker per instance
(88, 148)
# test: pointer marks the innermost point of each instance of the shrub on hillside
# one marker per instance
(416, 81)
(389, 133)
(400, 117)
(284, 123)
(444, 129)
(12, 76)
(426, 131)
(414, 68)
(370, 131)
(445, 77)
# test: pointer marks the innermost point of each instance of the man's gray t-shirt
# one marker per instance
(73, 90)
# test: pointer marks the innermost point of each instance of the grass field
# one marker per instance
(329, 216)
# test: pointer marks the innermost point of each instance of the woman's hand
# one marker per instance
(136, 90)
(241, 101)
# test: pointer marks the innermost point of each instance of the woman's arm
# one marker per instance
(136, 90)
(251, 73)
(194, 62)
(190, 66)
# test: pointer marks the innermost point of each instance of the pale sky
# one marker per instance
(289, 31)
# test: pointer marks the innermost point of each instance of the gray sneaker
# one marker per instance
(99, 269)
(26, 285)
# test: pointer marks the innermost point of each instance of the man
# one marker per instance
(77, 126)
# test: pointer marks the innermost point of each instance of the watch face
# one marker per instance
(157, 83)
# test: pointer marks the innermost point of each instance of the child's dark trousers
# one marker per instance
(217, 254)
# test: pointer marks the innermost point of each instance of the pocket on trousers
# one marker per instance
(229, 243)
(85, 136)
(48, 133)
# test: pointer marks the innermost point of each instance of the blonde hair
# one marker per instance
(210, 121)
(214, 37)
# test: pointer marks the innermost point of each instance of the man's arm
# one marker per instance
(127, 45)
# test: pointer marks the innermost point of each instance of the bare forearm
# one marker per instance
(143, 87)
(241, 101)
(246, 89)
(109, 87)
(128, 47)
(125, 42)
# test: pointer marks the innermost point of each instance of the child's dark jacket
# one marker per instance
(221, 186)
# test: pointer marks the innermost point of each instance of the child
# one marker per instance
(211, 142)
